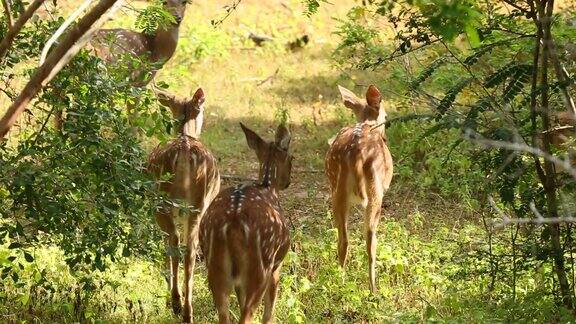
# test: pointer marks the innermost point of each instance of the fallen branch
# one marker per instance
(270, 78)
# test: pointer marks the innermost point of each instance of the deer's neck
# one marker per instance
(268, 172)
(191, 127)
(164, 43)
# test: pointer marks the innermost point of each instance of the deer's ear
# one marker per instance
(283, 137)
(351, 100)
(255, 142)
(198, 97)
(373, 97)
(169, 100)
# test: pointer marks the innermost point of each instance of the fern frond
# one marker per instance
(426, 73)
(450, 96)
(504, 73)
(480, 51)
(517, 82)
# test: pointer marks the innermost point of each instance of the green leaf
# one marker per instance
(473, 36)
(14, 245)
(28, 256)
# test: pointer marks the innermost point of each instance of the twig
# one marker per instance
(513, 4)
(312, 171)
(538, 220)
(558, 128)
(395, 53)
(236, 178)
(269, 78)
(229, 10)
(518, 147)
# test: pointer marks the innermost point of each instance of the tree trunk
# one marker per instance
(55, 61)
(549, 182)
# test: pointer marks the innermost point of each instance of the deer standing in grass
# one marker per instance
(244, 236)
(359, 168)
(195, 180)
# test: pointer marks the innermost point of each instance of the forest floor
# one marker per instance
(428, 267)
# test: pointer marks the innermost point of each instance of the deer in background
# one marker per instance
(359, 168)
(195, 180)
(156, 49)
(244, 236)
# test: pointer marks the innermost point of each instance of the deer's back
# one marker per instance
(191, 166)
(110, 42)
(357, 157)
(252, 217)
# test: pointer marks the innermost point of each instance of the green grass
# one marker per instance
(427, 266)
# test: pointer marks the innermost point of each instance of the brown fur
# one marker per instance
(244, 236)
(195, 180)
(157, 48)
(359, 168)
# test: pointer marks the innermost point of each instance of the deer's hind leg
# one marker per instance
(166, 223)
(371, 220)
(270, 297)
(340, 209)
(192, 225)
(220, 280)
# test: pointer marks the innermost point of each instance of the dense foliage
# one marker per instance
(483, 72)
(78, 185)
(77, 235)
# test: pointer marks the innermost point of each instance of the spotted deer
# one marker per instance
(193, 178)
(359, 169)
(157, 48)
(177, 106)
(565, 125)
(244, 236)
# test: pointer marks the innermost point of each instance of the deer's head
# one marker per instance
(189, 111)
(365, 109)
(275, 160)
(176, 8)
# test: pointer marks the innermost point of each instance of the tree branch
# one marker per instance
(519, 147)
(562, 76)
(512, 3)
(538, 220)
(12, 32)
(71, 43)
(62, 29)
(8, 12)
